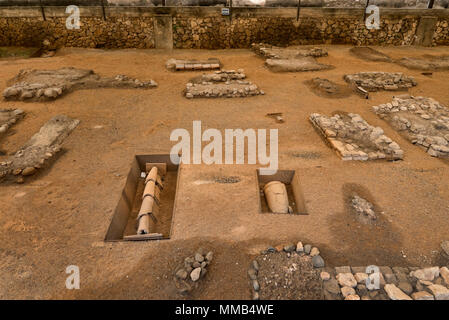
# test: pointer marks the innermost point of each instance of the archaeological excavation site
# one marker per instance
(245, 150)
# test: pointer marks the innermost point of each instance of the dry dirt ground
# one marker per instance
(60, 217)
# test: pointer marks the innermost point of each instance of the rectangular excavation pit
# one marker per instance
(295, 196)
(124, 223)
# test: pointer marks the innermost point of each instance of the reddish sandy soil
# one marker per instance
(60, 217)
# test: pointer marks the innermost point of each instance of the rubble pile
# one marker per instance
(423, 121)
(224, 83)
(376, 81)
(354, 139)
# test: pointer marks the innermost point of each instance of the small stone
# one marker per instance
(209, 256)
(362, 290)
(325, 276)
(255, 265)
(256, 296)
(16, 172)
(391, 278)
(332, 286)
(425, 283)
(352, 297)
(444, 273)
(307, 248)
(199, 257)
(203, 272)
(394, 293)
(28, 171)
(361, 277)
(252, 274)
(314, 252)
(203, 264)
(181, 274)
(422, 295)
(318, 262)
(299, 247)
(289, 248)
(346, 291)
(256, 285)
(195, 275)
(427, 274)
(196, 264)
(271, 250)
(346, 280)
(406, 287)
(440, 292)
(188, 261)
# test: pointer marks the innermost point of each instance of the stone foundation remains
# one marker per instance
(194, 269)
(41, 85)
(375, 81)
(278, 271)
(295, 65)
(273, 52)
(192, 65)
(364, 210)
(354, 139)
(39, 150)
(423, 121)
(224, 83)
(8, 117)
(291, 59)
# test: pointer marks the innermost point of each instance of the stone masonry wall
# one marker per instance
(206, 28)
(94, 32)
(217, 32)
(441, 35)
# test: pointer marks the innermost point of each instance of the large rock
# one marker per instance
(295, 65)
(332, 286)
(440, 292)
(346, 280)
(346, 291)
(444, 273)
(318, 261)
(426, 274)
(422, 295)
(195, 275)
(395, 293)
(360, 277)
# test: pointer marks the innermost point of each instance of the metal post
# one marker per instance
(364, 12)
(430, 4)
(297, 12)
(230, 10)
(42, 11)
(103, 10)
